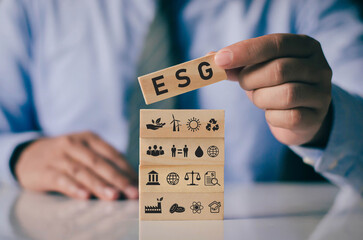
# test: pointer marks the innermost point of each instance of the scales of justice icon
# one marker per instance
(192, 175)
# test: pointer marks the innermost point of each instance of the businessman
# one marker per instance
(68, 71)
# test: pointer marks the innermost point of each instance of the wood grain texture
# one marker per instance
(181, 151)
(181, 178)
(187, 230)
(155, 123)
(180, 79)
(188, 201)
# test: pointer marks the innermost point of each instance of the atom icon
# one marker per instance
(193, 124)
(196, 207)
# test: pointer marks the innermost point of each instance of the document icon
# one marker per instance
(210, 179)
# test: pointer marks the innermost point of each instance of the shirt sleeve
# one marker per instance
(342, 159)
(336, 25)
(17, 115)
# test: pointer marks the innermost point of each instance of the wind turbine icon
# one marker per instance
(176, 124)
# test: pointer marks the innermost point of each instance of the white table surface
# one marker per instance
(261, 211)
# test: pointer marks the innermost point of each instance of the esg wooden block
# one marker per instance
(181, 178)
(181, 151)
(180, 79)
(181, 206)
(155, 123)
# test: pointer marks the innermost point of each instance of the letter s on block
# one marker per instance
(208, 70)
(186, 78)
(157, 86)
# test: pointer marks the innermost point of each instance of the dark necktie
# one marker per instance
(158, 53)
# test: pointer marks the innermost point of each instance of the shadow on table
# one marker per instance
(313, 212)
(39, 216)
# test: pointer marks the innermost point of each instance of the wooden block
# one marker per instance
(181, 178)
(155, 123)
(181, 206)
(181, 151)
(180, 79)
(186, 230)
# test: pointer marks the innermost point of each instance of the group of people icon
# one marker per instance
(155, 151)
(180, 151)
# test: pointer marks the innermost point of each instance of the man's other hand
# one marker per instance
(77, 165)
(288, 76)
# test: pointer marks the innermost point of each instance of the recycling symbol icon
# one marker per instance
(212, 125)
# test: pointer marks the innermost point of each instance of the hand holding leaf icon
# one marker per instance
(155, 124)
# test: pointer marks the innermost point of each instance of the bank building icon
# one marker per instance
(153, 178)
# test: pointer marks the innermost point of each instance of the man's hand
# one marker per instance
(77, 165)
(288, 76)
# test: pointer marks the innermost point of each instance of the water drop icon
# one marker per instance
(199, 152)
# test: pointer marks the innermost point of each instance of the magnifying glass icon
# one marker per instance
(214, 181)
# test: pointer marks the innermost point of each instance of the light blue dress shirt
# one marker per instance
(66, 66)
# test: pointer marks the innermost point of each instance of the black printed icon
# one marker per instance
(212, 125)
(210, 179)
(172, 178)
(154, 209)
(196, 207)
(185, 151)
(176, 124)
(214, 207)
(192, 176)
(199, 152)
(155, 151)
(182, 151)
(153, 178)
(213, 151)
(175, 208)
(155, 125)
(193, 124)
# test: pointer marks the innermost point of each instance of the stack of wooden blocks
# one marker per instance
(181, 173)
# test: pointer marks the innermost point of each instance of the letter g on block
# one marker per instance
(208, 71)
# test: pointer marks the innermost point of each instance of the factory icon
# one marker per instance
(154, 209)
